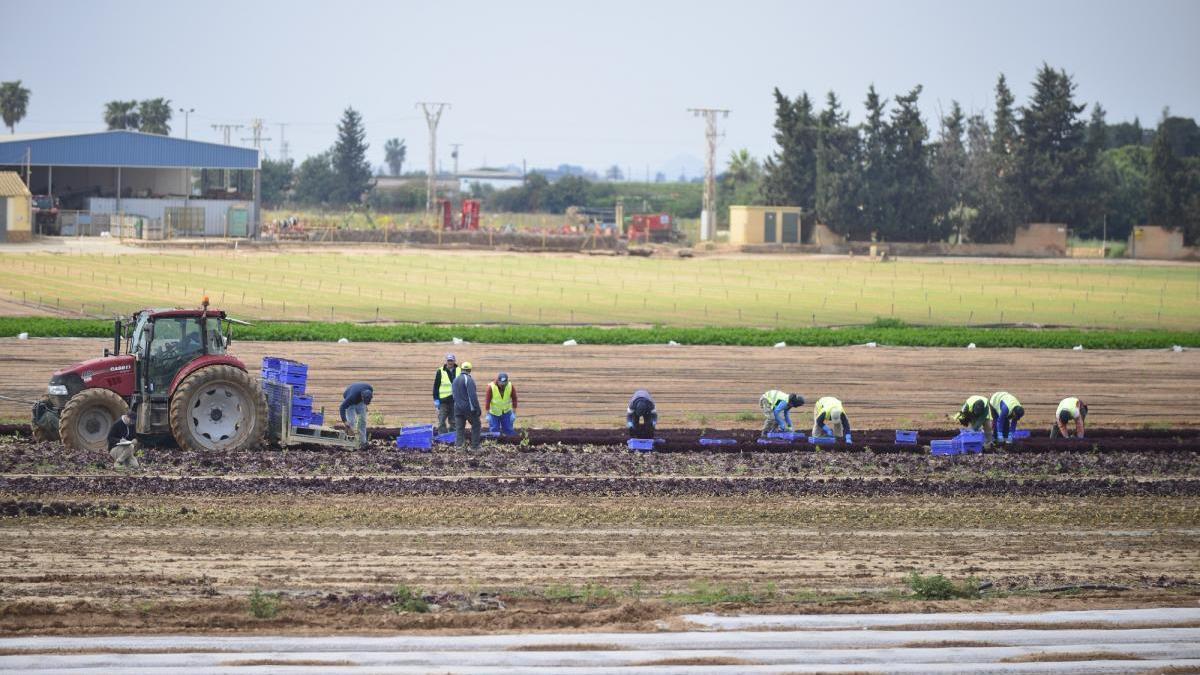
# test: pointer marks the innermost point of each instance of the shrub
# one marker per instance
(938, 587)
(264, 605)
(408, 600)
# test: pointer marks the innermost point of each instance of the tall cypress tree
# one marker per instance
(950, 172)
(910, 172)
(791, 172)
(349, 159)
(837, 191)
(1052, 159)
(877, 208)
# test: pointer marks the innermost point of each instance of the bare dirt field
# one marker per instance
(589, 386)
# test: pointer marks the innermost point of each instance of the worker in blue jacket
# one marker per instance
(355, 400)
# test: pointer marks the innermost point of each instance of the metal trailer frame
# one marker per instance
(281, 431)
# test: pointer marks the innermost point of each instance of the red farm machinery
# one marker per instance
(170, 367)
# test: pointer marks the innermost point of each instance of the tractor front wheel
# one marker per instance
(87, 417)
(218, 408)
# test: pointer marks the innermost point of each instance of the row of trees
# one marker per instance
(152, 116)
(978, 178)
(339, 176)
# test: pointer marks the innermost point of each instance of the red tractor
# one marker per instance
(174, 375)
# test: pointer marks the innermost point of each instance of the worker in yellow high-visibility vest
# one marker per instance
(501, 404)
(443, 394)
(829, 418)
(775, 406)
(1069, 410)
(977, 415)
(1006, 412)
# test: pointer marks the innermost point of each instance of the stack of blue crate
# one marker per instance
(293, 375)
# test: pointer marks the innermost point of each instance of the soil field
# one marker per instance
(589, 386)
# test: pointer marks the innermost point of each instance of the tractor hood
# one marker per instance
(108, 372)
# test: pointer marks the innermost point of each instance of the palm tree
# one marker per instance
(14, 100)
(121, 115)
(155, 116)
(743, 168)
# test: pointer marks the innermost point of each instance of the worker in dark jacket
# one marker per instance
(466, 408)
(353, 410)
(641, 419)
(121, 445)
(443, 393)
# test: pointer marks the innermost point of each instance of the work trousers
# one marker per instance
(502, 423)
(643, 426)
(460, 429)
(445, 423)
(356, 419)
(1005, 424)
(835, 425)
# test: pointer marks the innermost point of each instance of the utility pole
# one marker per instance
(187, 113)
(454, 154)
(283, 144)
(433, 115)
(256, 137)
(227, 132)
(708, 217)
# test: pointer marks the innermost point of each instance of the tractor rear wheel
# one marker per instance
(218, 408)
(87, 417)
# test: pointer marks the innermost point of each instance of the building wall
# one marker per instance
(215, 210)
(19, 221)
(1158, 243)
(746, 224)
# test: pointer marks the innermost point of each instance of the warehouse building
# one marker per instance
(170, 186)
(16, 209)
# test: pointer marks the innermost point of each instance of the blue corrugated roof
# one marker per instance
(124, 149)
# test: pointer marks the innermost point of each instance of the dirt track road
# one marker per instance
(590, 385)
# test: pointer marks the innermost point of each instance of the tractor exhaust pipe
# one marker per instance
(116, 338)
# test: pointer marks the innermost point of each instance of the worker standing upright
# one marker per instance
(443, 393)
(776, 407)
(1006, 411)
(976, 414)
(353, 410)
(641, 418)
(501, 404)
(829, 419)
(466, 408)
(1069, 409)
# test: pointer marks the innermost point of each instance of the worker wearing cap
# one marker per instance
(976, 414)
(641, 418)
(1069, 409)
(443, 394)
(776, 406)
(829, 418)
(1006, 411)
(501, 404)
(466, 408)
(353, 410)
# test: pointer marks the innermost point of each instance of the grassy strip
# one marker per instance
(883, 332)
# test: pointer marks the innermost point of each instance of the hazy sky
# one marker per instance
(591, 83)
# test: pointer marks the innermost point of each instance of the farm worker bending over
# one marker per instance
(466, 408)
(501, 405)
(353, 410)
(977, 414)
(829, 413)
(1069, 409)
(443, 393)
(1006, 411)
(640, 417)
(121, 445)
(776, 406)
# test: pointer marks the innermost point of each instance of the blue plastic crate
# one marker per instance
(906, 437)
(945, 447)
(1019, 434)
(822, 440)
(718, 441)
(787, 435)
(316, 420)
(301, 420)
(967, 437)
(415, 438)
(445, 438)
(641, 444)
(659, 441)
(773, 441)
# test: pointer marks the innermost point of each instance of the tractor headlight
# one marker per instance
(57, 390)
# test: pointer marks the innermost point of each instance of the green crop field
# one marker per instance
(472, 287)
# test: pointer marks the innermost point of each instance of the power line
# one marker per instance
(256, 129)
(283, 144)
(433, 115)
(708, 217)
(227, 130)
